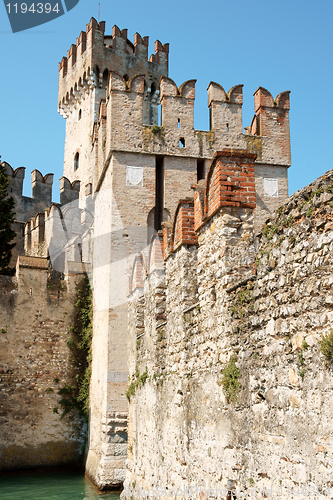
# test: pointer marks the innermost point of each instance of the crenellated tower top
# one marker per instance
(95, 54)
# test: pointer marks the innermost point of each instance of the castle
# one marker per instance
(135, 166)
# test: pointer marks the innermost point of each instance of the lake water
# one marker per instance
(71, 486)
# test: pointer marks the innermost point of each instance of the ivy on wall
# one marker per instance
(76, 394)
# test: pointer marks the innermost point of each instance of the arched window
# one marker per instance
(80, 114)
(76, 161)
(151, 227)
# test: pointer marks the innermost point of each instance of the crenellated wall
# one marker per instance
(31, 214)
(63, 233)
(121, 127)
(25, 207)
(270, 434)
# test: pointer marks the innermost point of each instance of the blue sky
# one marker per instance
(279, 45)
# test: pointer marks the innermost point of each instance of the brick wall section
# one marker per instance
(199, 203)
(230, 181)
(183, 227)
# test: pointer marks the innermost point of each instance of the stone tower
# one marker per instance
(130, 140)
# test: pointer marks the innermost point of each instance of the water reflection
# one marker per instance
(71, 486)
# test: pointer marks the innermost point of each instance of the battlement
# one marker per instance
(59, 232)
(128, 121)
(177, 103)
(42, 186)
(16, 178)
(225, 108)
(271, 119)
(30, 213)
(69, 191)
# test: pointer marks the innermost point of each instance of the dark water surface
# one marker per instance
(68, 486)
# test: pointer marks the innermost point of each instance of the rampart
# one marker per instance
(229, 387)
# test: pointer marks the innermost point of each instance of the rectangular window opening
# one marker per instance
(182, 142)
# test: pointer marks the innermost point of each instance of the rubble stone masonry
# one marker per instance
(208, 307)
(36, 314)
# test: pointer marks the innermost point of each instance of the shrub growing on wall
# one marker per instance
(230, 380)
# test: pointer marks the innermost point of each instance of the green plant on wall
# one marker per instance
(138, 381)
(155, 129)
(230, 380)
(326, 347)
(76, 394)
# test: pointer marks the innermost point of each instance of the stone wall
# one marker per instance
(271, 430)
(36, 314)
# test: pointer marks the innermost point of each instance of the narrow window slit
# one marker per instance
(159, 193)
(76, 161)
(200, 169)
